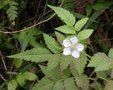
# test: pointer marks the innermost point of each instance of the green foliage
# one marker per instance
(82, 82)
(102, 5)
(12, 11)
(69, 84)
(80, 24)
(88, 9)
(110, 54)
(109, 85)
(20, 79)
(60, 37)
(52, 44)
(43, 84)
(65, 62)
(53, 62)
(64, 15)
(80, 64)
(12, 85)
(58, 85)
(57, 71)
(66, 29)
(29, 76)
(34, 55)
(84, 34)
(101, 62)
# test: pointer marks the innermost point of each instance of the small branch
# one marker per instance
(32, 25)
(2, 78)
(3, 61)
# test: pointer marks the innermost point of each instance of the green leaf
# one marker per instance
(43, 84)
(102, 5)
(34, 55)
(69, 84)
(60, 37)
(80, 24)
(82, 82)
(52, 44)
(80, 63)
(53, 74)
(12, 85)
(20, 79)
(73, 68)
(1, 4)
(17, 62)
(58, 85)
(64, 15)
(101, 62)
(109, 85)
(66, 29)
(53, 62)
(84, 34)
(27, 38)
(29, 76)
(110, 54)
(65, 61)
(12, 11)
(88, 9)
(24, 39)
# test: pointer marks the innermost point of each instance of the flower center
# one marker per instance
(73, 46)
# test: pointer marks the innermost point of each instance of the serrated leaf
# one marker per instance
(60, 37)
(66, 29)
(65, 61)
(12, 85)
(110, 54)
(29, 76)
(43, 84)
(80, 24)
(82, 82)
(24, 39)
(58, 85)
(52, 44)
(53, 74)
(84, 34)
(73, 69)
(64, 15)
(109, 85)
(69, 84)
(34, 55)
(101, 62)
(12, 11)
(53, 62)
(103, 66)
(80, 64)
(20, 79)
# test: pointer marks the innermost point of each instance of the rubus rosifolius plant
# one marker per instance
(67, 58)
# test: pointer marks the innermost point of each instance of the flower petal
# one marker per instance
(66, 43)
(76, 54)
(66, 51)
(74, 40)
(80, 47)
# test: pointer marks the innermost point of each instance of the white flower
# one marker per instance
(72, 47)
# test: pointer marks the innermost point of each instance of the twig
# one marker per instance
(2, 78)
(3, 61)
(32, 25)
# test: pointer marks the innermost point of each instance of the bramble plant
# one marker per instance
(67, 57)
